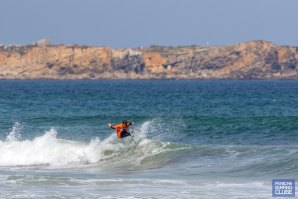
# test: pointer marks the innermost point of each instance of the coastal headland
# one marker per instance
(248, 60)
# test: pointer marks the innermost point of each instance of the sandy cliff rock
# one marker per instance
(250, 60)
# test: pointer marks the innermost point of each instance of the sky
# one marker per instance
(135, 23)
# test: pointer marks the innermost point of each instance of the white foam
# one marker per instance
(47, 149)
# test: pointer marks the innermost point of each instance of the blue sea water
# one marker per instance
(195, 139)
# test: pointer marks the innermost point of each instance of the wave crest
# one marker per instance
(109, 153)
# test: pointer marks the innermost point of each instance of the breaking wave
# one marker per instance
(111, 152)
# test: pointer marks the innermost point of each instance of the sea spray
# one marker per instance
(163, 128)
(14, 133)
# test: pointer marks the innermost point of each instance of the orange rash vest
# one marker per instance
(119, 128)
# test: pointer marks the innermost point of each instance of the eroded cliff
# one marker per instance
(250, 60)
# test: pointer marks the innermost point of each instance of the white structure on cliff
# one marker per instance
(42, 42)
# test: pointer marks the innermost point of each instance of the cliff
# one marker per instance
(250, 60)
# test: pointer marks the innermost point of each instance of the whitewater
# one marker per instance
(48, 150)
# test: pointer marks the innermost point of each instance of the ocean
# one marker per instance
(195, 139)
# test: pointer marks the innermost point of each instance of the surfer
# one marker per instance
(122, 129)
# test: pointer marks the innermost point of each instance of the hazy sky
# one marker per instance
(133, 23)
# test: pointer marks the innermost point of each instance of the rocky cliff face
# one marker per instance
(250, 60)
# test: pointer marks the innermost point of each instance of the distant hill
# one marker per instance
(249, 60)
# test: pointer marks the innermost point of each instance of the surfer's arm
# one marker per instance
(118, 126)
